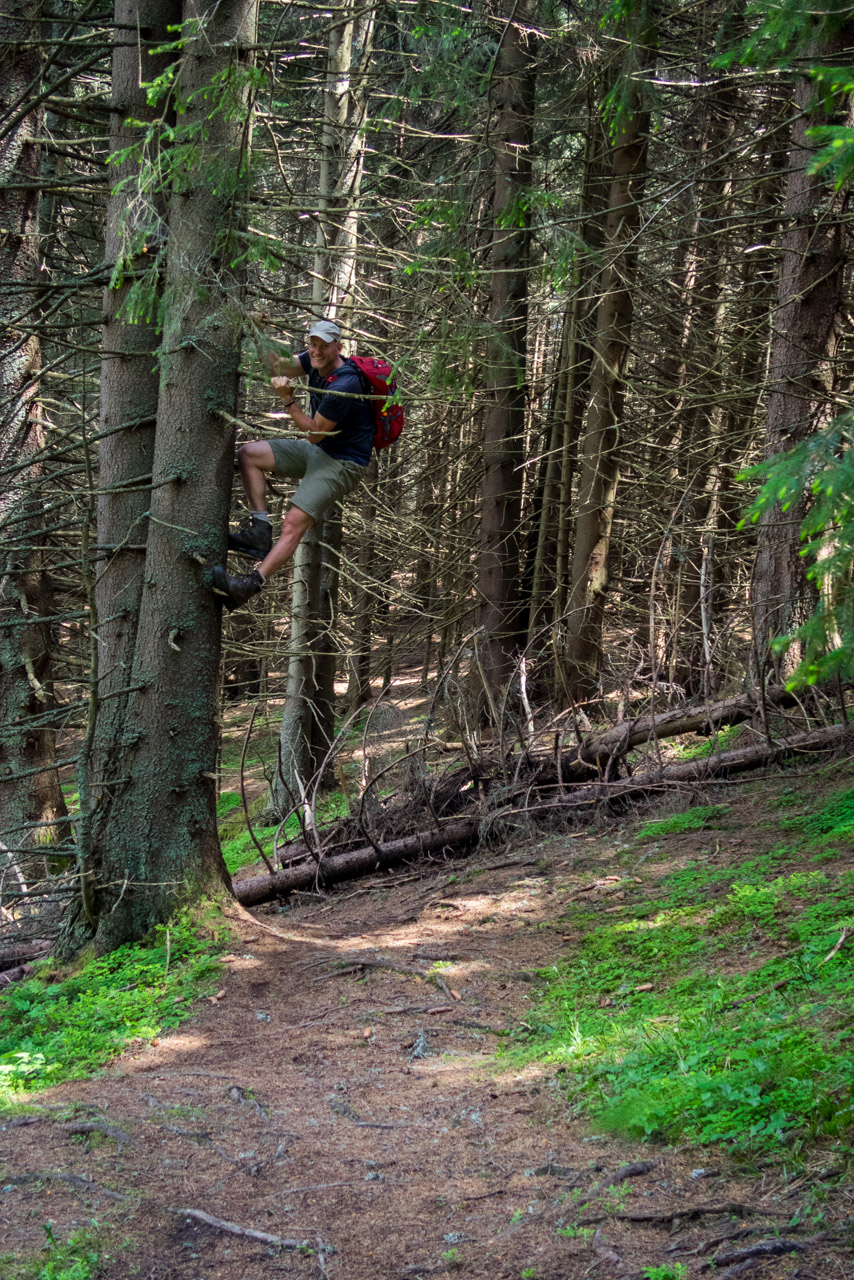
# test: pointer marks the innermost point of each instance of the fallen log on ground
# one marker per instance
(705, 718)
(20, 952)
(457, 836)
(582, 802)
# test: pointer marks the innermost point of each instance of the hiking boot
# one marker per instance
(235, 588)
(253, 537)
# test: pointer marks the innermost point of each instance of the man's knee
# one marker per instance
(256, 454)
(297, 519)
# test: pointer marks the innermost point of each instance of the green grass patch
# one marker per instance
(657, 1036)
(66, 1029)
(228, 801)
(240, 849)
(80, 1257)
(700, 818)
(723, 740)
(830, 822)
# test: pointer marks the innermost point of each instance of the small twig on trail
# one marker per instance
(484, 1195)
(320, 1186)
(233, 1228)
(249, 827)
(246, 917)
(705, 1246)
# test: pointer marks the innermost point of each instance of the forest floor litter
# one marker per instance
(345, 1105)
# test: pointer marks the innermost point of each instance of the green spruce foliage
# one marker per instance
(822, 468)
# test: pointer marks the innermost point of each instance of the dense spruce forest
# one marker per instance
(607, 251)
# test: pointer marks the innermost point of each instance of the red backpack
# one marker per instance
(388, 418)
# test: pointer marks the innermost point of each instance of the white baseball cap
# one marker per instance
(326, 330)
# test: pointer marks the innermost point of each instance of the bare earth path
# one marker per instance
(362, 1113)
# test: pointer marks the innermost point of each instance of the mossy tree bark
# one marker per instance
(155, 841)
(30, 796)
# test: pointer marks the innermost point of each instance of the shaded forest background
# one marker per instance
(607, 253)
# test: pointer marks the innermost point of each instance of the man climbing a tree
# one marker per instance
(329, 461)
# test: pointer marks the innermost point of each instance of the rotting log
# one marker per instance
(456, 836)
(582, 803)
(703, 718)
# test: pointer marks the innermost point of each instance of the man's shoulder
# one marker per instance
(346, 372)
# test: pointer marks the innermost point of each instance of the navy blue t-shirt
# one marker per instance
(354, 420)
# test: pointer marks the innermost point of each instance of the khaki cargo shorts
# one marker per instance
(323, 480)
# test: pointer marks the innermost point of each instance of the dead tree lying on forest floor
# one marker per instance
(557, 785)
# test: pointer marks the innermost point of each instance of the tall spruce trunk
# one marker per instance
(599, 462)
(130, 379)
(31, 800)
(500, 612)
(804, 340)
(155, 839)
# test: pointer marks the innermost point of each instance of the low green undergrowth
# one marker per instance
(239, 849)
(723, 740)
(78, 1258)
(697, 819)
(66, 1027)
(720, 1011)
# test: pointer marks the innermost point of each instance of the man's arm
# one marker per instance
(277, 362)
(315, 427)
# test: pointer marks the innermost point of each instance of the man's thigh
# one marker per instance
(327, 480)
(290, 457)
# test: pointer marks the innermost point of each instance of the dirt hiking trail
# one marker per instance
(332, 1099)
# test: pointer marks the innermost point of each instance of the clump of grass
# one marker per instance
(77, 1258)
(699, 818)
(227, 801)
(68, 1027)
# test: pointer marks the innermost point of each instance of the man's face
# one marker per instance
(323, 355)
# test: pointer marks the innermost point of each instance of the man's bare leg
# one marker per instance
(255, 459)
(294, 527)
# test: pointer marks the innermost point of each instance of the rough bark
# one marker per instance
(129, 373)
(499, 614)
(805, 335)
(599, 465)
(30, 796)
(155, 837)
